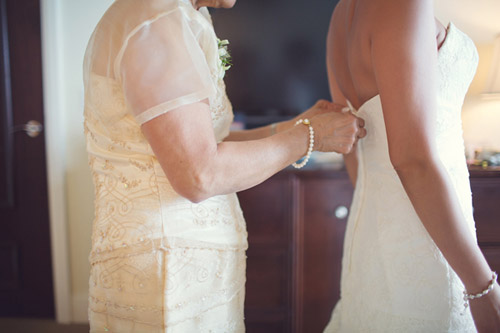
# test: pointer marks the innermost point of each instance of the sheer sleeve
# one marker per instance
(162, 67)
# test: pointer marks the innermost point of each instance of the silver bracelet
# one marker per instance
(311, 143)
(491, 285)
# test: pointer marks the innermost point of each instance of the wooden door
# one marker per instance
(25, 258)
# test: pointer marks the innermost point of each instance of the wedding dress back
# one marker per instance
(394, 278)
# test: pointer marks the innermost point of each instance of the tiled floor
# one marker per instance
(22, 325)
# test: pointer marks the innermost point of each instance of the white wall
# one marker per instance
(481, 116)
(78, 21)
(67, 26)
(479, 19)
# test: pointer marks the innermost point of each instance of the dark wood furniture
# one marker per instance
(296, 222)
(485, 185)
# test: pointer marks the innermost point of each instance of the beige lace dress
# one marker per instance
(159, 263)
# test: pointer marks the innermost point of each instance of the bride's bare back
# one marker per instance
(349, 57)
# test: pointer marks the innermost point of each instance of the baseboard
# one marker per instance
(79, 309)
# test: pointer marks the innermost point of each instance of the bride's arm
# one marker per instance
(199, 168)
(405, 64)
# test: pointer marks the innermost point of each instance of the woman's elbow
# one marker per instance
(196, 198)
(192, 195)
(196, 187)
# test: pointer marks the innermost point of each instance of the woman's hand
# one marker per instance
(322, 106)
(334, 128)
(486, 311)
(337, 132)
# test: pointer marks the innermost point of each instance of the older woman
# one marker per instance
(169, 238)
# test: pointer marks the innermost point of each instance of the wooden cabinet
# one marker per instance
(324, 209)
(296, 222)
(267, 210)
(485, 187)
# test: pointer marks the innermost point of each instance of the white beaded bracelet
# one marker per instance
(311, 143)
(468, 297)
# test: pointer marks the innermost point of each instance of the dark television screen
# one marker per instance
(278, 51)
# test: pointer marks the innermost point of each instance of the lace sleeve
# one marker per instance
(162, 67)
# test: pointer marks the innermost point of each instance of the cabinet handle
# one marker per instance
(341, 212)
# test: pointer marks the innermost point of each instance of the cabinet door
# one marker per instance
(486, 197)
(325, 208)
(266, 208)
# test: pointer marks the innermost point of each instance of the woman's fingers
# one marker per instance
(337, 131)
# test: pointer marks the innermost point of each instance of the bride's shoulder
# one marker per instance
(392, 9)
(408, 15)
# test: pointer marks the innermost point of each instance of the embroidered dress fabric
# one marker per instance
(159, 263)
(394, 277)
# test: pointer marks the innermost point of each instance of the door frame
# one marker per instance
(52, 59)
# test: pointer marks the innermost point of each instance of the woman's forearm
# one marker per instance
(236, 166)
(257, 133)
(430, 190)
(241, 165)
(251, 134)
(249, 163)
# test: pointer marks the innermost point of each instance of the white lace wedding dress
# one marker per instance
(394, 278)
(159, 263)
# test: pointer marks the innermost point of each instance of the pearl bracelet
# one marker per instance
(311, 143)
(468, 297)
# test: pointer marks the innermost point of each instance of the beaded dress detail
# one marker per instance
(394, 278)
(159, 263)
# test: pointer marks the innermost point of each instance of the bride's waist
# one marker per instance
(376, 160)
(384, 174)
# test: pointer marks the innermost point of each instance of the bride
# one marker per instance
(411, 261)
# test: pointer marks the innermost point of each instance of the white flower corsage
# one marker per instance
(224, 56)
